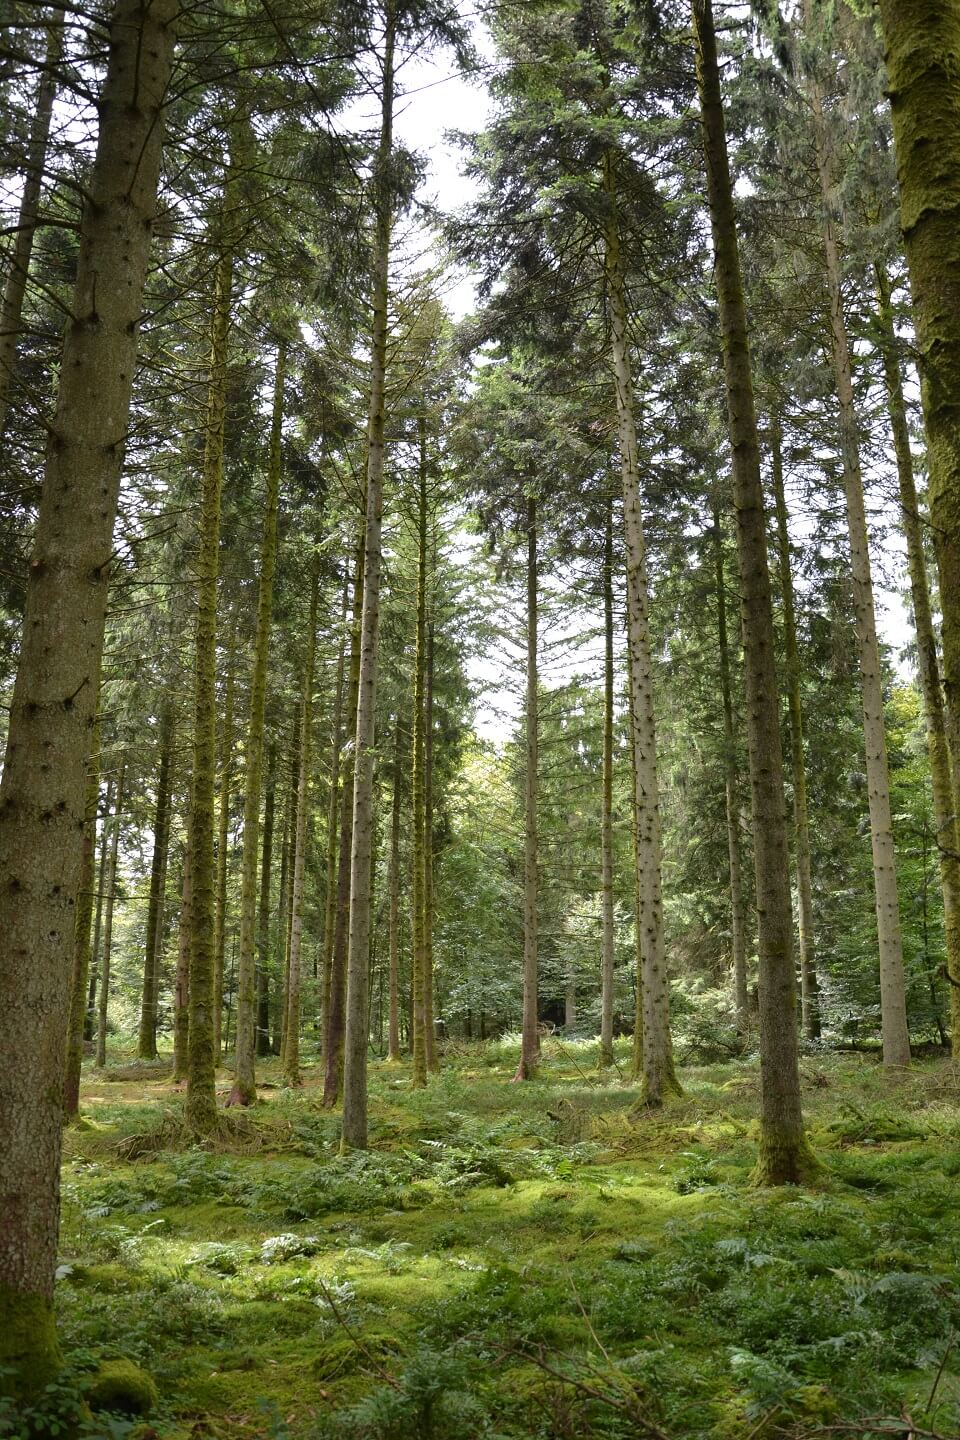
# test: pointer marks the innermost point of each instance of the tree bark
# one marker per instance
(42, 792)
(333, 812)
(922, 44)
(223, 839)
(433, 1056)
(15, 287)
(291, 1054)
(81, 946)
(201, 1102)
(354, 1131)
(110, 886)
(263, 911)
(286, 917)
(336, 1016)
(785, 1156)
(606, 810)
(944, 797)
(419, 887)
(89, 1014)
(181, 990)
(809, 985)
(244, 1090)
(147, 1045)
(659, 1077)
(738, 918)
(393, 1019)
(530, 1026)
(893, 995)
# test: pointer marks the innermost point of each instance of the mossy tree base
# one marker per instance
(29, 1353)
(785, 1160)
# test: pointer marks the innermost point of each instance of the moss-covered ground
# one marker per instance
(516, 1260)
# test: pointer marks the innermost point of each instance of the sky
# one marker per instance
(437, 100)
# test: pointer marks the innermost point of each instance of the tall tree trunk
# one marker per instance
(15, 287)
(419, 797)
(393, 1021)
(636, 1059)
(785, 1156)
(944, 798)
(333, 812)
(90, 1011)
(244, 1090)
(43, 787)
(283, 910)
(893, 995)
(291, 1057)
(81, 947)
(354, 1132)
(223, 839)
(530, 1026)
(809, 986)
(922, 43)
(110, 885)
(659, 1076)
(147, 1046)
(286, 917)
(738, 918)
(606, 807)
(181, 988)
(263, 911)
(429, 1020)
(201, 1103)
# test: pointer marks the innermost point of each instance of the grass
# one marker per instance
(532, 1260)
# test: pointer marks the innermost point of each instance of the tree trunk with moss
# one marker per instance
(181, 984)
(944, 798)
(81, 943)
(809, 985)
(785, 1155)
(636, 1057)
(922, 41)
(333, 812)
(530, 1026)
(43, 787)
(419, 887)
(286, 914)
(354, 1131)
(225, 768)
(201, 1103)
(21, 250)
(244, 1090)
(335, 1021)
(659, 1076)
(147, 1043)
(606, 806)
(732, 797)
(291, 1050)
(893, 992)
(110, 887)
(393, 885)
(262, 1038)
(433, 1056)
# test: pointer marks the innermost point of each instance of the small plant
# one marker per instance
(278, 1248)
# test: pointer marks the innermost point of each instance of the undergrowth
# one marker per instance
(536, 1260)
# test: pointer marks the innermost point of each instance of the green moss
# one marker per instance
(29, 1353)
(122, 1388)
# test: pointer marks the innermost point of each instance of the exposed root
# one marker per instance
(234, 1131)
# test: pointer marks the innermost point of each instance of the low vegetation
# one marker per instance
(536, 1260)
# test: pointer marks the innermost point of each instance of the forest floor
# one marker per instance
(533, 1260)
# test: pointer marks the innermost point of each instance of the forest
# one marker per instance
(480, 719)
